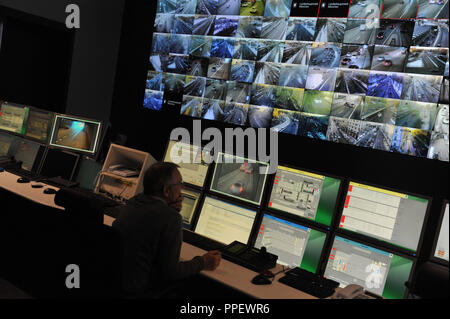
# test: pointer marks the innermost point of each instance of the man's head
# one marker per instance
(164, 180)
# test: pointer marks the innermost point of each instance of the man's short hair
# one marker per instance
(158, 175)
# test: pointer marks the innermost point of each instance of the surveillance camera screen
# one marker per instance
(278, 64)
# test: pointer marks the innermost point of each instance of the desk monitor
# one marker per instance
(305, 194)
(59, 163)
(5, 144)
(239, 178)
(193, 161)
(190, 202)
(13, 117)
(39, 124)
(225, 222)
(75, 134)
(29, 153)
(384, 215)
(440, 246)
(378, 271)
(294, 244)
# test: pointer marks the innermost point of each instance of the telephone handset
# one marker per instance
(350, 292)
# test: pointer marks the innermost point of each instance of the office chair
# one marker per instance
(430, 281)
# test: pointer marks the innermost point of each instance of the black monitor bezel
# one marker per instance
(375, 241)
(433, 258)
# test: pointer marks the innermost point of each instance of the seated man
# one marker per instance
(151, 230)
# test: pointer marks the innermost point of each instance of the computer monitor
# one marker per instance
(379, 271)
(225, 222)
(239, 178)
(5, 144)
(29, 153)
(192, 159)
(440, 245)
(384, 215)
(75, 134)
(39, 124)
(13, 117)
(305, 194)
(294, 244)
(189, 205)
(59, 163)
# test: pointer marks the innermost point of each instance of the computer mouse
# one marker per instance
(49, 191)
(261, 280)
(37, 185)
(23, 180)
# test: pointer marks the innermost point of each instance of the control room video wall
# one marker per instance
(369, 73)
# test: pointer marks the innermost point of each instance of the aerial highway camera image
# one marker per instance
(326, 55)
(215, 89)
(197, 66)
(219, 68)
(174, 84)
(293, 75)
(379, 110)
(222, 47)
(289, 98)
(249, 27)
(330, 30)
(389, 59)
(443, 98)
(160, 43)
(441, 122)
(252, 7)
(194, 86)
(296, 52)
(236, 113)
(263, 94)
(177, 63)
(439, 147)
(356, 56)
(213, 110)
(422, 88)
(317, 102)
(400, 9)
(267, 73)
(341, 130)
(365, 8)
(183, 24)
(164, 22)
(394, 32)
(200, 46)
(228, 7)
(375, 135)
(285, 121)
(361, 31)
(203, 25)
(192, 106)
(242, 71)
(410, 141)
(384, 84)
(270, 51)
(321, 79)
(426, 60)
(75, 134)
(433, 9)
(246, 49)
(239, 178)
(313, 126)
(179, 43)
(430, 33)
(166, 6)
(274, 28)
(186, 6)
(419, 115)
(226, 26)
(352, 81)
(238, 92)
(155, 81)
(301, 29)
(347, 106)
(278, 8)
(260, 116)
(153, 100)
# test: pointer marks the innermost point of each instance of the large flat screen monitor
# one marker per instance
(13, 117)
(193, 161)
(6, 141)
(379, 271)
(294, 244)
(190, 202)
(75, 134)
(239, 178)
(39, 124)
(308, 195)
(59, 163)
(388, 216)
(225, 222)
(440, 246)
(29, 153)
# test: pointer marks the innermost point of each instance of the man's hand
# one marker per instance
(212, 259)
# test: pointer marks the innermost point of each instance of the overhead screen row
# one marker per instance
(296, 213)
(365, 80)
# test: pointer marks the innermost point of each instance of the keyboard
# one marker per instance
(201, 241)
(310, 283)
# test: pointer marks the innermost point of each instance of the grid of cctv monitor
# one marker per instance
(374, 81)
(47, 143)
(375, 232)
